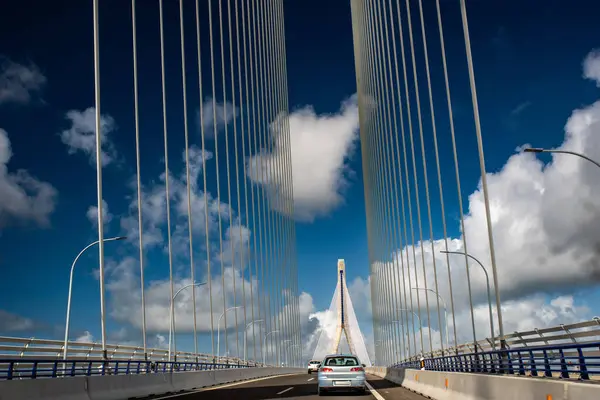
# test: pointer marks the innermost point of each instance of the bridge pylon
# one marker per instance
(342, 306)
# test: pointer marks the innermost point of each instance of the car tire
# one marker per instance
(320, 392)
(309, 372)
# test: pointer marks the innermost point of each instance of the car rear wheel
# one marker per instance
(309, 372)
(320, 392)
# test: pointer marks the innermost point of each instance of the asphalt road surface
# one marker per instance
(299, 386)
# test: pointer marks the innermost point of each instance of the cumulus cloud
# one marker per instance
(222, 113)
(22, 196)
(545, 219)
(86, 337)
(125, 298)
(92, 214)
(154, 210)
(81, 135)
(19, 83)
(320, 148)
(591, 66)
(10, 322)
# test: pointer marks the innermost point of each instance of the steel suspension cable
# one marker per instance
(166, 155)
(394, 180)
(439, 175)
(257, 244)
(424, 160)
(216, 138)
(408, 191)
(138, 174)
(460, 204)
(289, 175)
(187, 171)
(227, 166)
(203, 145)
(375, 126)
(405, 158)
(486, 198)
(237, 163)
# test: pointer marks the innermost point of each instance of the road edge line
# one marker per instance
(374, 392)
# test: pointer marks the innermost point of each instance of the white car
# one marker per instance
(313, 366)
(341, 372)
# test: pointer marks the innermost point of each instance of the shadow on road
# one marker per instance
(262, 392)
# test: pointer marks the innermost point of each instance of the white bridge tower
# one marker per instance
(341, 319)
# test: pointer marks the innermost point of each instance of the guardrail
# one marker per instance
(13, 348)
(580, 332)
(582, 359)
(33, 369)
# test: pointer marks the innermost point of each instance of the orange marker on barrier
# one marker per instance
(417, 377)
(446, 383)
(548, 397)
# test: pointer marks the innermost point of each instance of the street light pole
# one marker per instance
(445, 311)
(246, 336)
(573, 153)
(279, 361)
(420, 327)
(489, 294)
(219, 329)
(172, 318)
(66, 343)
(265, 344)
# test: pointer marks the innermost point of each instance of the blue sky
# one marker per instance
(528, 61)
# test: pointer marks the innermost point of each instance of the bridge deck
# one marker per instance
(300, 386)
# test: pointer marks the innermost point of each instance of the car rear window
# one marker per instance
(341, 361)
(313, 362)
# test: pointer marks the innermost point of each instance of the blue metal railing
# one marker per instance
(564, 360)
(33, 369)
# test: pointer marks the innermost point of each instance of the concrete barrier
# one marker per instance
(119, 387)
(462, 386)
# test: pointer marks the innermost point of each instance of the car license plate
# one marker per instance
(341, 383)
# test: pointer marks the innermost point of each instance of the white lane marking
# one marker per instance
(374, 392)
(310, 379)
(172, 396)
(286, 390)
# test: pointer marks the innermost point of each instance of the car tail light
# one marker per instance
(326, 369)
(356, 369)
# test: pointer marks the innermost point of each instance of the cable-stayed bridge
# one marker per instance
(242, 317)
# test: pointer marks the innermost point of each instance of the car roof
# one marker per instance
(340, 355)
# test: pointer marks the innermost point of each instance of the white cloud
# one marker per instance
(320, 147)
(81, 135)
(591, 66)
(22, 196)
(224, 113)
(18, 82)
(92, 214)
(125, 298)
(10, 322)
(545, 218)
(86, 337)
(154, 210)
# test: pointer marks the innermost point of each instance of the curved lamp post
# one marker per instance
(172, 318)
(420, 327)
(573, 153)
(219, 329)
(246, 336)
(489, 292)
(66, 343)
(265, 345)
(445, 311)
